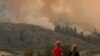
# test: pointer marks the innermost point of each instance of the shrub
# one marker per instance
(66, 50)
(29, 52)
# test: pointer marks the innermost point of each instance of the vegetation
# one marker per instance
(29, 52)
(66, 50)
(68, 31)
(22, 36)
(38, 53)
(49, 51)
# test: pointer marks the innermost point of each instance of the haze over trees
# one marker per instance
(94, 37)
(68, 31)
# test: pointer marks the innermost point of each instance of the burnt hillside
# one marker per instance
(22, 36)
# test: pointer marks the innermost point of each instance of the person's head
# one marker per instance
(74, 48)
(58, 44)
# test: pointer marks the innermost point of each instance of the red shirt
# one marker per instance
(58, 51)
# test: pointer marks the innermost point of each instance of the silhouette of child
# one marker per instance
(58, 51)
(74, 51)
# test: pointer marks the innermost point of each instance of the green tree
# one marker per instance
(58, 28)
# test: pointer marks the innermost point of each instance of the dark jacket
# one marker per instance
(74, 54)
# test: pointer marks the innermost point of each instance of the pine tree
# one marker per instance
(81, 35)
(21, 35)
(75, 31)
(58, 28)
(96, 33)
(66, 30)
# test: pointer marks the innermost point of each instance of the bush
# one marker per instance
(38, 53)
(66, 50)
(49, 51)
(29, 52)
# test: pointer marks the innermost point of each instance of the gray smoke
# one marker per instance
(5, 14)
(83, 14)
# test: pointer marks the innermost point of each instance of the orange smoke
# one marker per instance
(84, 14)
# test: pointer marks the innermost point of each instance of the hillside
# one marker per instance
(22, 36)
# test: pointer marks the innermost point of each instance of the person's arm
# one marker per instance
(62, 52)
(53, 51)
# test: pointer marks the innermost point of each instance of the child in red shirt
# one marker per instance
(58, 51)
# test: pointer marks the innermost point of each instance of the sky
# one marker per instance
(83, 14)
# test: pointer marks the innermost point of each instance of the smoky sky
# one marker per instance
(83, 14)
(5, 13)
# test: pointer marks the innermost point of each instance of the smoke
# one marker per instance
(5, 14)
(29, 12)
(83, 14)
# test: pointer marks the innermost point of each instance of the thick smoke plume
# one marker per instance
(83, 14)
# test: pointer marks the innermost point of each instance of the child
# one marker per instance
(58, 51)
(74, 51)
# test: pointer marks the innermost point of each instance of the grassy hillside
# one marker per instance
(22, 36)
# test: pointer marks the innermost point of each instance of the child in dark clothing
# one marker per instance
(74, 51)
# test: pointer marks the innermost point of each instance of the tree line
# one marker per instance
(94, 37)
(68, 31)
